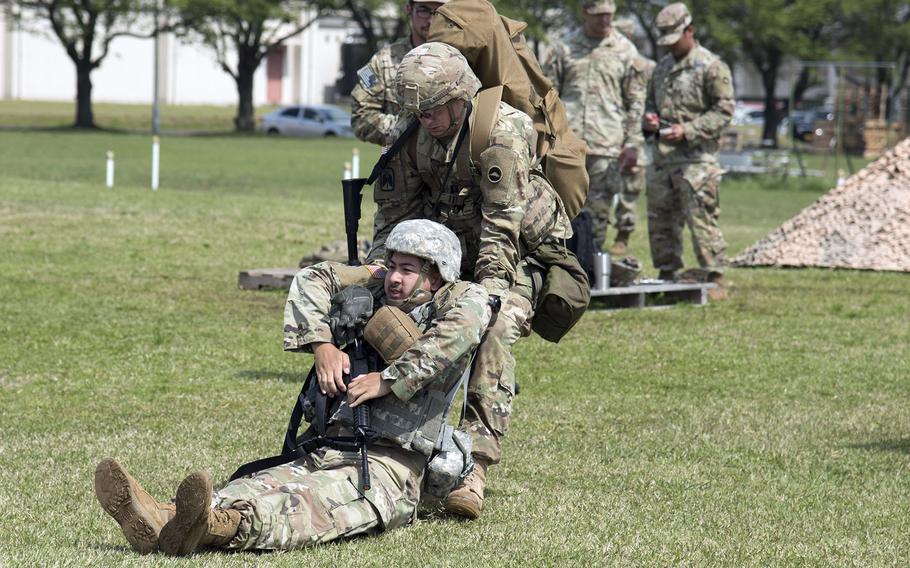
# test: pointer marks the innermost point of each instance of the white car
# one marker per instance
(308, 120)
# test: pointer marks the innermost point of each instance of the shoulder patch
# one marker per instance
(494, 174)
(377, 271)
(367, 78)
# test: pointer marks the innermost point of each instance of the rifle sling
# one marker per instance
(392, 151)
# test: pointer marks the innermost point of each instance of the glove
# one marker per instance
(350, 311)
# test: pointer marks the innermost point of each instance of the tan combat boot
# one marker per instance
(196, 523)
(621, 245)
(719, 293)
(466, 500)
(139, 515)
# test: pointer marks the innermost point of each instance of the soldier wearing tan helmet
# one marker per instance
(312, 499)
(487, 186)
(690, 101)
(374, 106)
(602, 82)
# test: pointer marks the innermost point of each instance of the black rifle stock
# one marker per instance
(352, 192)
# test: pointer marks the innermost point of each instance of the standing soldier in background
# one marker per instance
(634, 181)
(690, 101)
(374, 109)
(602, 82)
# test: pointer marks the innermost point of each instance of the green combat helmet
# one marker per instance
(433, 74)
(428, 240)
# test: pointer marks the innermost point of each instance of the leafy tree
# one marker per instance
(86, 29)
(879, 30)
(242, 33)
(765, 32)
(375, 29)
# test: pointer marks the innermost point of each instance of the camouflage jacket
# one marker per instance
(452, 323)
(602, 82)
(374, 108)
(500, 207)
(696, 92)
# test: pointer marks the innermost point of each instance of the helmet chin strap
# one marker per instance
(455, 119)
(418, 295)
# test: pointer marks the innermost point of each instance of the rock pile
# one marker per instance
(864, 224)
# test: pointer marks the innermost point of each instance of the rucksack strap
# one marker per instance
(484, 118)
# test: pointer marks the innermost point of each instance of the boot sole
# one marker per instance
(181, 535)
(112, 488)
(462, 506)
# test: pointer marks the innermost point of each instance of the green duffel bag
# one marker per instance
(565, 293)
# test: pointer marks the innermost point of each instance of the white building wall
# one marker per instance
(34, 66)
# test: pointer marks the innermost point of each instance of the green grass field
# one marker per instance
(769, 430)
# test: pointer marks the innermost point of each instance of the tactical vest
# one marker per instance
(417, 424)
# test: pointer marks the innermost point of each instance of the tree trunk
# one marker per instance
(769, 82)
(799, 89)
(245, 121)
(85, 118)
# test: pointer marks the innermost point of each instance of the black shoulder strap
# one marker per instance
(392, 151)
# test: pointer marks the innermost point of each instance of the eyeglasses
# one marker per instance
(424, 11)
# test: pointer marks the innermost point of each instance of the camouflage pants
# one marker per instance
(685, 194)
(318, 499)
(491, 386)
(606, 183)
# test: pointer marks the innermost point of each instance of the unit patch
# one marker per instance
(387, 180)
(494, 174)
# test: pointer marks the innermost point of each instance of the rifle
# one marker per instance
(363, 434)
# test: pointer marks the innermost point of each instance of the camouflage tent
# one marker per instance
(864, 224)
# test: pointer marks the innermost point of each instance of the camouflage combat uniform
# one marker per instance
(316, 499)
(684, 180)
(374, 108)
(501, 208)
(602, 83)
(635, 180)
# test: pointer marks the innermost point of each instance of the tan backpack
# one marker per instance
(499, 55)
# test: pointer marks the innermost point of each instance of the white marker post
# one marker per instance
(110, 169)
(355, 164)
(156, 156)
(347, 170)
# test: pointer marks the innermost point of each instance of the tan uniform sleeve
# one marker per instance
(634, 91)
(309, 300)
(503, 174)
(369, 119)
(451, 338)
(718, 86)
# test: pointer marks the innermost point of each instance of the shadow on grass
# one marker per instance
(283, 376)
(902, 446)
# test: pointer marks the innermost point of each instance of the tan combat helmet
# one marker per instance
(430, 241)
(599, 7)
(433, 74)
(672, 21)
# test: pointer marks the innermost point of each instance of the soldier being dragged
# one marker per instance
(312, 500)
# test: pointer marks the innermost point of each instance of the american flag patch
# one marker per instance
(377, 271)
